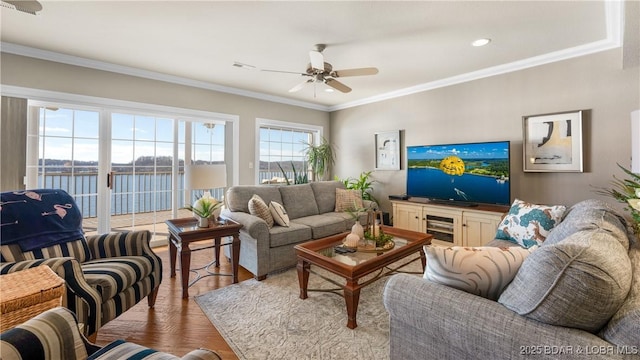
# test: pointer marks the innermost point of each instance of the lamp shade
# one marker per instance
(205, 177)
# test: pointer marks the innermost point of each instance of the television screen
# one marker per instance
(467, 173)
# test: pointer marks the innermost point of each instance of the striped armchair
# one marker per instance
(105, 274)
(54, 335)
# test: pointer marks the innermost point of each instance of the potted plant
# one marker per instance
(320, 157)
(627, 191)
(205, 208)
(363, 183)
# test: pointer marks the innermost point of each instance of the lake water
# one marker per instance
(434, 183)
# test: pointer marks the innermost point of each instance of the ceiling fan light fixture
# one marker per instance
(481, 42)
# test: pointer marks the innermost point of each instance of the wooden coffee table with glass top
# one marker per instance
(354, 266)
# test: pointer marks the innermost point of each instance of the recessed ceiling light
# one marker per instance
(481, 42)
(328, 90)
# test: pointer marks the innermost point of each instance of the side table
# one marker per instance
(183, 232)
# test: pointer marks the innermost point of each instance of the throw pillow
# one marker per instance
(348, 200)
(259, 208)
(279, 214)
(528, 224)
(579, 282)
(485, 271)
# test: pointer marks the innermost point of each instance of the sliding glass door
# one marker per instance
(63, 153)
(125, 170)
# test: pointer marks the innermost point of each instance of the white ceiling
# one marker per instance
(416, 45)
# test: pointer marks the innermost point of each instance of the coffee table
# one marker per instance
(183, 232)
(354, 266)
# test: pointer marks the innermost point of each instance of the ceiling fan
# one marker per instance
(320, 71)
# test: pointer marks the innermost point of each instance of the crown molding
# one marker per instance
(27, 51)
(614, 14)
(614, 18)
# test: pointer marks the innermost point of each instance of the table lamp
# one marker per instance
(205, 177)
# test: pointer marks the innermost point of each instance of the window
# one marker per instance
(73, 148)
(281, 148)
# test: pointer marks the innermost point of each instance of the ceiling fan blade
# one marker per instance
(300, 86)
(29, 6)
(355, 72)
(284, 72)
(251, 67)
(317, 60)
(337, 85)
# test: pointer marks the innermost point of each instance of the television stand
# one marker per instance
(450, 222)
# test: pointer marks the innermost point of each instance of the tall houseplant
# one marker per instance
(321, 158)
(363, 183)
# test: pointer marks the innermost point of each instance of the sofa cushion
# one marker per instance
(279, 214)
(325, 194)
(299, 200)
(237, 198)
(484, 271)
(590, 215)
(111, 276)
(77, 249)
(579, 282)
(295, 233)
(347, 200)
(528, 224)
(624, 327)
(323, 225)
(257, 207)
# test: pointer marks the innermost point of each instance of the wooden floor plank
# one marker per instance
(174, 325)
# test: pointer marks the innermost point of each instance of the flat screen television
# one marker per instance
(460, 174)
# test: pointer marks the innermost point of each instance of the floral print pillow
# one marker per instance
(529, 224)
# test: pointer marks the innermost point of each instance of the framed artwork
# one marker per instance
(387, 150)
(552, 142)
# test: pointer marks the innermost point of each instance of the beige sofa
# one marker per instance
(310, 208)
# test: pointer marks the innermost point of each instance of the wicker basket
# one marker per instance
(27, 293)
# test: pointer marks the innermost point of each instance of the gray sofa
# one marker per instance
(310, 208)
(434, 321)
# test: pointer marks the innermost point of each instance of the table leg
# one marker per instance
(303, 277)
(351, 298)
(172, 256)
(423, 259)
(185, 265)
(216, 247)
(235, 257)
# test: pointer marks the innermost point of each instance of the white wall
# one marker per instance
(46, 75)
(492, 109)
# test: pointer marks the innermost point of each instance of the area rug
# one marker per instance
(268, 320)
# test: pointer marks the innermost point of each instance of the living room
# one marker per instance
(605, 84)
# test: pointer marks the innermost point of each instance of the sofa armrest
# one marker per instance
(202, 354)
(53, 334)
(256, 227)
(433, 320)
(81, 298)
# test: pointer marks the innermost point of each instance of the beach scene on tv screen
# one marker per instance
(476, 172)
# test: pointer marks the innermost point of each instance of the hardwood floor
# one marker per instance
(174, 325)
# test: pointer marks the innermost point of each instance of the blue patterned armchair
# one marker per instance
(105, 274)
(54, 335)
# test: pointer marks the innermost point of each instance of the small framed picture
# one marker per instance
(553, 142)
(387, 150)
